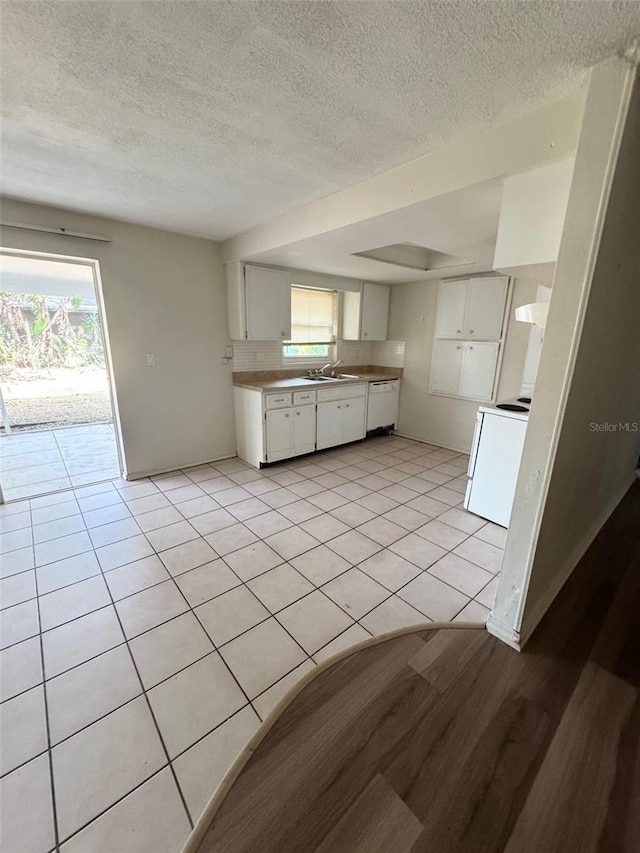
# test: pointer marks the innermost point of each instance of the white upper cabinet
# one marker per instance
(472, 309)
(485, 308)
(452, 303)
(469, 334)
(365, 314)
(375, 311)
(259, 302)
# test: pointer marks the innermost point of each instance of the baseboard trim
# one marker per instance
(504, 633)
(434, 443)
(138, 475)
(528, 627)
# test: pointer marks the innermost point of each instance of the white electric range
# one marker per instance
(494, 463)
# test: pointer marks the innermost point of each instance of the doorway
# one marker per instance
(56, 404)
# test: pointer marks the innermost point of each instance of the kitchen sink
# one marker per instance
(330, 378)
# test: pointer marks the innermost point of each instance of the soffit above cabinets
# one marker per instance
(455, 232)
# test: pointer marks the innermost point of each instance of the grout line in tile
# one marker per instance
(243, 583)
(150, 708)
(116, 802)
(158, 553)
(56, 833)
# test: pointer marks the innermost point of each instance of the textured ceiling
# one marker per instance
(213, 117)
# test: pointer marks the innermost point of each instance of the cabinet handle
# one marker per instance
(366, 334)
(339, 407)
(282, 334)
(470, 347)
(458, 331)
(470, 331)
(458, 347)
(297, 414)
(287, 415)
(347, 406)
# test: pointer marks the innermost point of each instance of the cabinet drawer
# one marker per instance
(301, 398)
(277, 401)
(344, 392)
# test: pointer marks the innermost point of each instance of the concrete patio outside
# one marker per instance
(34, 463)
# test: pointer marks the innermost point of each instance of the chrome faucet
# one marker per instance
(320, 371)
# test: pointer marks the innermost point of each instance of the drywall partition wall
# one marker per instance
(445, 421)
(164, 293)
(534, 347)
(575, 468)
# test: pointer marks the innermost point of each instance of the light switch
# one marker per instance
(151, 359)
(228, 352)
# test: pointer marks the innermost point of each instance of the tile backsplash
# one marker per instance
(267, 355)
(387, 353)
(257, 355)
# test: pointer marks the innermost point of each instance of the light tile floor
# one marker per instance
(148, 627)
(34, 463)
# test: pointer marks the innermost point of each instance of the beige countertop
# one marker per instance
(299, 383)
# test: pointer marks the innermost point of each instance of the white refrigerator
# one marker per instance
(494, 463)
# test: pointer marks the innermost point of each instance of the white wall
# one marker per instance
(444, 420)
(572, 476)
(532, 216)
(163, 293)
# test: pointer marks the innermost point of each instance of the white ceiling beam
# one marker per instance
(536, 138)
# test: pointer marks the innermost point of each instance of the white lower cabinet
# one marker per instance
(279, 434)
(290, 432)
(271, 427)
(329, 425)
(304, 430)
(353, 420)
(340, 422)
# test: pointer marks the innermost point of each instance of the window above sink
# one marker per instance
(313, 325)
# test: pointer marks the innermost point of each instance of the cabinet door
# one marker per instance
(268, 304)
(485, 308)
(446, 367)
(353, 419)
(375, 312)
(279, 434)
(304, 430)
(452, 301)
(479, 370)
(329, 424)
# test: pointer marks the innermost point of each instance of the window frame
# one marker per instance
(303, 360)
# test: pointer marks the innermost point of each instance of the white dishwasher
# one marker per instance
(382, 410)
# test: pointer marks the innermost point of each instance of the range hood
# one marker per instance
(535, 313)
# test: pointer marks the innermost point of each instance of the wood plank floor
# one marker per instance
(448, 740)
